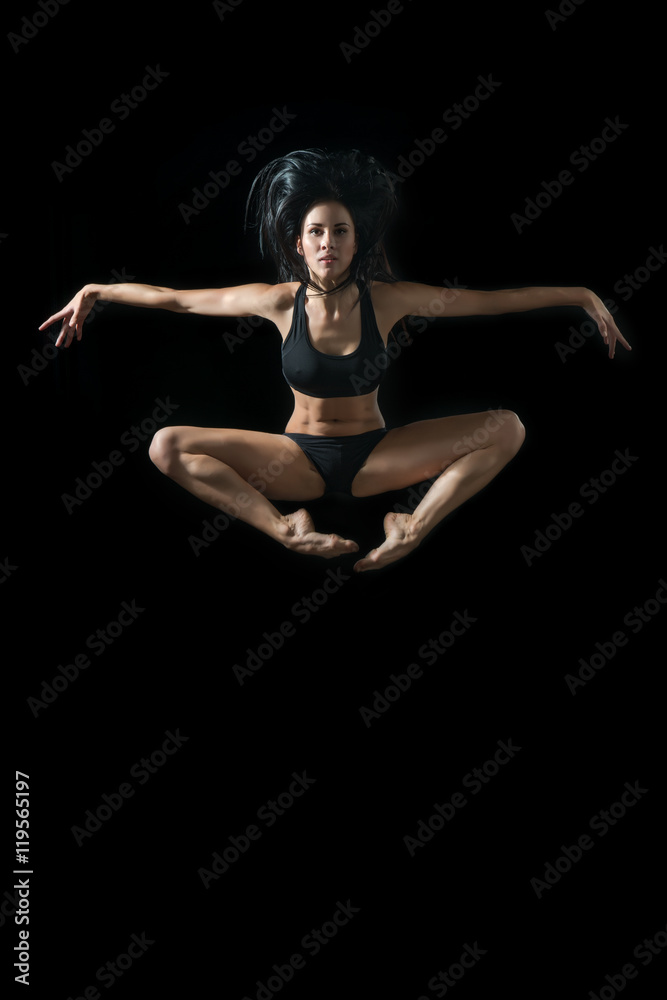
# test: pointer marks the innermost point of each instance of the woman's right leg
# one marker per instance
(237, 471)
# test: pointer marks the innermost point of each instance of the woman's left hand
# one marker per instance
(598, 312)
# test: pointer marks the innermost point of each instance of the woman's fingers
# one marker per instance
(72, 317)
(619, 336)
(62, 335)
(66, 333)
(608, 329)
(614, 336)
(52, 319)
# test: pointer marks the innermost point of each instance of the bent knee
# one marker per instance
(511, 431)
(165, 448)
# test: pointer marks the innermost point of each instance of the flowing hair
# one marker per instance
(286, 188)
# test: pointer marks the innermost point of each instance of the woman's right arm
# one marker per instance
(239, 300)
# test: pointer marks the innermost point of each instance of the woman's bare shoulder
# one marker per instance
(281, 296)
(384, 291)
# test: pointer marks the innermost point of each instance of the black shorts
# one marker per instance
(338, 459)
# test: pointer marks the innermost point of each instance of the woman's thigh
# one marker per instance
(424, 449)
(272, 463)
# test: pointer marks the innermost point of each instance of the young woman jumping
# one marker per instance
(322, 217)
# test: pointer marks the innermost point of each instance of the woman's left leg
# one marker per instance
(461, 453)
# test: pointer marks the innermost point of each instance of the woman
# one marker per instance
(323, 217)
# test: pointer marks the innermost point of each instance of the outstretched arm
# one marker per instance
(428, 300)
(239, 300)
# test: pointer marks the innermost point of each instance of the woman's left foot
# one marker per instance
(399, 542)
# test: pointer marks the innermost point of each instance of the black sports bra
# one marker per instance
(329, 375)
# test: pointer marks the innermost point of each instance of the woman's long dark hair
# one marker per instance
(286, 188)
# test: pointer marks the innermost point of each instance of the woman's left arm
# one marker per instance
(523, 299)
(413, 299)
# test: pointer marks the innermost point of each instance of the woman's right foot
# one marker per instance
(302, 537)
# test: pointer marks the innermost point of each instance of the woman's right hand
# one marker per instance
(73, 316)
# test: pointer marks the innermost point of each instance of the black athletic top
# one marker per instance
(328, 375)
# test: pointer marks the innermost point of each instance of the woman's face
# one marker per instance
(327, 242)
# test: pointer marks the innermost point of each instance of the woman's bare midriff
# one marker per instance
(337, 417)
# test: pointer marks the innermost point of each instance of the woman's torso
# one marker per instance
(333, 351)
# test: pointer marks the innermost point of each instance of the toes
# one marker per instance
(367, 562)
(328, 546)
(343, 544)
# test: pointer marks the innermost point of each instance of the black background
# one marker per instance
(131, 539)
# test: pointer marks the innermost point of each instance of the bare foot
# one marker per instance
(399, 541)
(302, 537)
